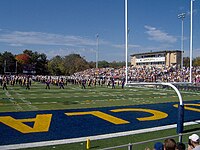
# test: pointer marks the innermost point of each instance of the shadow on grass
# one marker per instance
(192, 130)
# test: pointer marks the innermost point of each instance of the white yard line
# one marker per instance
(28, 103)
(11, 99)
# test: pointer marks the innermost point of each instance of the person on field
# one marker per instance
(61, 83)
(27, 83)
(123, 83)
(48, 84)
(83, 82)
(113, 83)
(5, 84)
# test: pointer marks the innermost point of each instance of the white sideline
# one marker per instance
(97, 137)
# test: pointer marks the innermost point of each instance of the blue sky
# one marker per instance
(62, 27)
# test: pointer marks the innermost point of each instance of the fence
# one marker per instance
(132, 146)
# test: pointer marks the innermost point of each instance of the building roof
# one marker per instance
(165, 51)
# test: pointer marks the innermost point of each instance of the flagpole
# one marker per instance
(126, 39)
(191, 40)
(97, 51)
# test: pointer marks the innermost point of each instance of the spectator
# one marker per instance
(180, 146)
(193, 143)
(158, 146)
(169, 144)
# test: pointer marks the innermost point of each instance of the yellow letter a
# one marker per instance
(41, 123)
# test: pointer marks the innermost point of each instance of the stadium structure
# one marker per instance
(159, 58)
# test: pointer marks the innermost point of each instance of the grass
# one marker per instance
(17, 98)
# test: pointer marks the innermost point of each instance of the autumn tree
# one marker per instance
(38, 61)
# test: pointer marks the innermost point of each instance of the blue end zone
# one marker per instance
(63, 126)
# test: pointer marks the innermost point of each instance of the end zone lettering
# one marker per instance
(42, 121)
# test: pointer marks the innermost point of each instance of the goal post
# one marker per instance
(10, 67)
(180, 120)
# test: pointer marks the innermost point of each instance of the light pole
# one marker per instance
(182, 16)
(97, 51)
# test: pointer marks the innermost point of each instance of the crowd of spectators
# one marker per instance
(142, 74)
(110, 77)
(171, 144)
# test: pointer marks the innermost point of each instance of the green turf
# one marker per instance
(38, 98)
(17, 98)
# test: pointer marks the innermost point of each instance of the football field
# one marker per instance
(73, 112)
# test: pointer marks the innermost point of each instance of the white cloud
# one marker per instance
(18, 38)
(158, 35)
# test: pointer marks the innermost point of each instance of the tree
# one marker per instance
(186, 61)
(119, 64)
(92, 64)
(103, 64)
(74, 63)
(23, 58)
(38, 62)
(55, 66)
(197, 61)
(8, 62)
(41, 64)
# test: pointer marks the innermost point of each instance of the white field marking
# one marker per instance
(45, 94)
(160, 93)
(33, 97)
(38, 103)
(11, 99)
(45, 97)
(19, 94)
(28, 103)
(30, 94)
(97, 137)
(85, 96)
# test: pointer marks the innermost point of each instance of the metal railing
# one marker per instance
(132, 146)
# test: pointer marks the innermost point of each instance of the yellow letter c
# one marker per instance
(156, 114)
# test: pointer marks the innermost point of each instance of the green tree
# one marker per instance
(103, 64)
(42, 64)
(74, 63)
(116, 64)
(55, 66)
(8, 62)
(197, 61)
(186, 61)
(92, 64)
